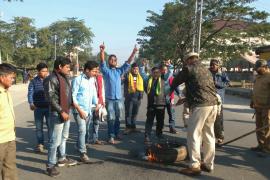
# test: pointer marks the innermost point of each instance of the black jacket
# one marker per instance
(52, 92)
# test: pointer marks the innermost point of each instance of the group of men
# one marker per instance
(86, 96)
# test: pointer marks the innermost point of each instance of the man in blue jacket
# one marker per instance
(38, 103)
(221, 81)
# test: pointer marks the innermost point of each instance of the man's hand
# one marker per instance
(180, 101)
(97, 110)
(32, 107)
(102, 54)
(82, 115)
(131, 57)
(135, 50)
(65, 116)
(144, 62)
(102, 47)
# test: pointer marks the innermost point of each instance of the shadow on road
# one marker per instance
(249, 160)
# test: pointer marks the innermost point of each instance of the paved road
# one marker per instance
(234, 161)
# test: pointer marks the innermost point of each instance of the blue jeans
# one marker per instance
(171, 114)
(132, 106)
(59, 132)
(82, 126)
(92, 128)
(115, 111)
(39, 115)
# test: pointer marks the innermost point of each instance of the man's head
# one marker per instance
(163, 69)
(155, 72)
(112, 60)
(7, 75)
(214, 65)
(167, 62)
(134, 69)
(261, 66)
(90, 68)
(42, 69)
(190, 58)
(62, 65)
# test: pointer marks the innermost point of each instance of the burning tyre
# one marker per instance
(166, 152)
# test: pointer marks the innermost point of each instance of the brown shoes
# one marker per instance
(205, 168)
(191, 171)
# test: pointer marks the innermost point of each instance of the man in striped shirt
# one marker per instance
(39, 104)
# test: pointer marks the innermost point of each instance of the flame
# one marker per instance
(152, 157)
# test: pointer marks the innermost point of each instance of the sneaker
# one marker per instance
(205, 168)
(191, 171)
(52, 171)
(40, 148)
(84, 158)
(173, 131)
(111, 141)
(127, 131)
(66, 162)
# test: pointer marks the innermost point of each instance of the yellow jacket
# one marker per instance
(7, 117)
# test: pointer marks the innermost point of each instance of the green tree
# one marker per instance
(71, 33)
(226, 29)
(6, 45)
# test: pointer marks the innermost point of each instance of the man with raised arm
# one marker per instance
(112, 76)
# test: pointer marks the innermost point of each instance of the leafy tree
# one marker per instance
(227, 28)
(71, 33)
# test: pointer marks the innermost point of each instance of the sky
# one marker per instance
(116, 22)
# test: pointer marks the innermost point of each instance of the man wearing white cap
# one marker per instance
(202, 99)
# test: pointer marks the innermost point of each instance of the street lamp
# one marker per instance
(78, 49)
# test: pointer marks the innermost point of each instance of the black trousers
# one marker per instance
(152, 113)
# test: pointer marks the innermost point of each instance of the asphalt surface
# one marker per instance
(122, 160)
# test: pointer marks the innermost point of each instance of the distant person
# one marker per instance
(8, 167)
(133, 92)
(112, 76)
(84, 95)
(24, 76)
(38, 104)
(261, 103)
(221, 81)
(58, 91)
(202, 99)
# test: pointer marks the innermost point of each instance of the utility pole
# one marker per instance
(55, 46)
(195, 26)
(200, 28)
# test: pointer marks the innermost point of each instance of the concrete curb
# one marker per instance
(241, 92)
